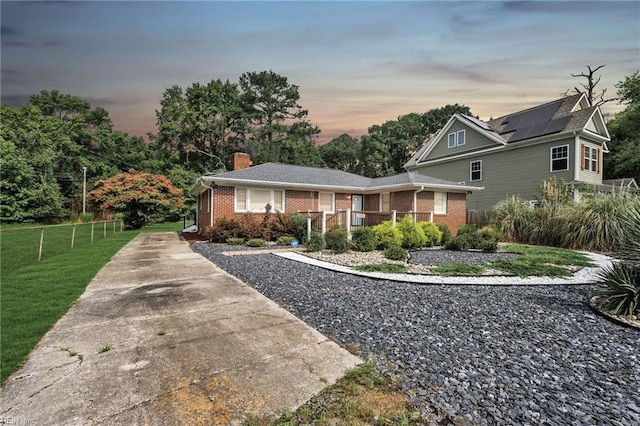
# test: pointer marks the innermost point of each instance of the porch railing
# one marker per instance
(321, 221)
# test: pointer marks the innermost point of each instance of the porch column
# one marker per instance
(349, 222)
(393, 217)
(324, 222)
(308, 228)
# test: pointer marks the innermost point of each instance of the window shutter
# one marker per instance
(581, 156)
(598, 161)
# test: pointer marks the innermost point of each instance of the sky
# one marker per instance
(356, 63)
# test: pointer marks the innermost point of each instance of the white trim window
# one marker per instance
(475, 170)
(385, 202)
(326, 201)
(456, 139)
(590, 156)
(559, 158)
(254, 200)
(440, 202)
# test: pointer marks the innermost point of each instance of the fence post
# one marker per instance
(324, 222)
(41, 240)
(308, 228)
(349, 222)
(393, 217)
(73, 235)
(92, 227)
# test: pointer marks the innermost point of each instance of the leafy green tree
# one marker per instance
(143, 198)
(388, 146)
(341, 153)
(204, 124)
(278, 123)
(624, 157)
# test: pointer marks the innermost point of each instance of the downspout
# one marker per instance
(576, 166)
(415, 201)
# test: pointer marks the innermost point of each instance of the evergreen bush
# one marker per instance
(235, 241)
(387, 235)
(412, 234)
(316, 242)
(336, 240)
(396, 253)
(432, 233)
(363, 239)
(256, 242)
(446, 233)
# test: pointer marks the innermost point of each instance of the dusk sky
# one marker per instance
(357, 63)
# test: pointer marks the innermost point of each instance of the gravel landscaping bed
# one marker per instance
(479, 354)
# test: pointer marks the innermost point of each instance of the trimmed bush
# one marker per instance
(222, 229)
(316, 242)
(256, 242)
(446, 233)
(235, 241)
(488, 245)
(489, 233)
(387, 235)
(298, 226)
(363, 239)
(336, 240)
(432, 233)
(467, 228)
(285, 240)
(396, 253)
(412, 234)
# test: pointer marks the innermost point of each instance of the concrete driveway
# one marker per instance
(163, 336)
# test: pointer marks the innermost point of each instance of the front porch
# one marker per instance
(321, 221)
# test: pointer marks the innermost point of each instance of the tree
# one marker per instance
(204, 124)
(623, 159)
(594, 97)
(389, 146)
(277, 122)
(142, 197)
(341, 153)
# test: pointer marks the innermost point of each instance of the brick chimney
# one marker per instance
(241, 160)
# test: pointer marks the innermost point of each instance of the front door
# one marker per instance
(357, 205)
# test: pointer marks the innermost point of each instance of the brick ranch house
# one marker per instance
(341, 197)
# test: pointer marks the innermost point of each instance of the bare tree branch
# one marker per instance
(595, 98)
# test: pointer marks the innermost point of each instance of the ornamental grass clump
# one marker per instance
(618, 290)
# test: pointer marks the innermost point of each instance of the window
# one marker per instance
(590, 159)
(385, 202)
(559, 158)
(440, 202)
(461, 137)
(326, 201)
(476, 170)
(456, 139)
(254, 200)
(452, 140)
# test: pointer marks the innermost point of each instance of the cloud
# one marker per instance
(6, 31)
(15, 100)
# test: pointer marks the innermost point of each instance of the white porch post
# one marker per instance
(324, 222)
(393, 217)
(349, 222)
(308, 228)
(431, 216)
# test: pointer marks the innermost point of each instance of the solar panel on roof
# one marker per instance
(477, 122)
(540, 129)
(540, 114)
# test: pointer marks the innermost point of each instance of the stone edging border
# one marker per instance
(614, 319)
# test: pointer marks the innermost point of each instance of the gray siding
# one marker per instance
(473, 140)
(511, 171)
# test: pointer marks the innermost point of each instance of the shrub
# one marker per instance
(235, 241)
(364, 239)
(489, 233)
(512, 217)
(256, 242)
(618, 289)
(432, 233)
(336, 240)
(250, 227)
(446, 233)
(396, 253)
(285, 240)
(298, 225)
(386, 268)
(222, 229)
(316, 242)
(412, 234)
(467, 228)
(387, 235)
(488, 245)
(280, 225)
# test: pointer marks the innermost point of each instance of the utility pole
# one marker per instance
(84, 190)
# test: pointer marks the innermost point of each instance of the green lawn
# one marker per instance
(36, 294)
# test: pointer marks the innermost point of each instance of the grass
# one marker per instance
(36, 294)
(361, 397)
(387, 268)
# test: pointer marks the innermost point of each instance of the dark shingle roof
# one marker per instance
(275, 173)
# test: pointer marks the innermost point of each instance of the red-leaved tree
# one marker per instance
(143, 198)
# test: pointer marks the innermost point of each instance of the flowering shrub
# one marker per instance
(142, 198)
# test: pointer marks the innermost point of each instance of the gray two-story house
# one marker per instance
(514, 154)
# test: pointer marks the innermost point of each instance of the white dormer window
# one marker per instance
(461, 137)
(452, 140)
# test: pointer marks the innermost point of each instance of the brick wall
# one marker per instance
(343, 201)
(402, 201)
(300, 201)
(241, 160)
(372, 202)
(456, 212)
(424, 203)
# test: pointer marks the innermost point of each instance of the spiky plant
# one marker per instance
(619, 287)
